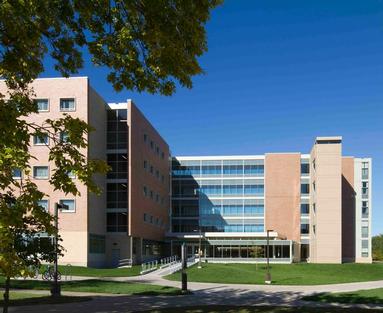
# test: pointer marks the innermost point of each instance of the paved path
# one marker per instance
(225, 296)
(202, 294)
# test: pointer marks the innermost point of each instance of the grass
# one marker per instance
(373, 296)
(284, 274)
(257, 309)
(97, 286)
(97, 272)
(26, 298)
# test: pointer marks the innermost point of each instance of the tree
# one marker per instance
(148, 46)
(257, 252)
(377, 247)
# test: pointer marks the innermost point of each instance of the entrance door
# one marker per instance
(115, 257)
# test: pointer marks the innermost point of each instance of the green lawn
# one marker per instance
(284, 274)
(26, 298)
(97, 272)
(97, 286)
(373, 296)
(263, 309)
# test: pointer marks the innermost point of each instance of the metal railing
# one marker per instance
(148, 267)
(125, 263)
(169, 261)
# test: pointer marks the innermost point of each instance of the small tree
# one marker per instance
(377, 247)
(256, 252)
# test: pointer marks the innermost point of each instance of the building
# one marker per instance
(313, 207)
(127, 222)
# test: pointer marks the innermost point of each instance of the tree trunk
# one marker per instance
(6, 294)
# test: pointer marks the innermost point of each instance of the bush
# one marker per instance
(377, 247)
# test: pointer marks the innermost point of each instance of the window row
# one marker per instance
(153, 195)
(155, 172)
(69, 205)
(66, 104)
(232, 189)
(39, 172)
(43, 139)
(218, 170)
(157, 221)
(252, 228)
(153, 146)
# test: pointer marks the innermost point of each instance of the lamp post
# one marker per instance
(56, 289)
(199, 250)
(199, 246)
(268, 275)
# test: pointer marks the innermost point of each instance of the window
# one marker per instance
(41, 139)
(96, 244)
(364, 244)
(145, 137)
(365, 170)
(364, 189)
(151, 169)
(146, 217)
(119, 166)
(64, 137)
(42, 105)
(44, 204)
(151, 144)
(305, 169)
(364, 231)
(16, 173)
(69, 205)
(254, 189)
(162, 178)
(158, 150)
(145, 164)
(151, 219)
(145, 190)
(157, 197)
(151, 194)
(116, 222)
(162, 155)
(158, 174)
(305, 229)
(305, 208)
(67, 104)
(305, 189)
(365, 254)
(116, 195)
(40, 172)
(364, 209)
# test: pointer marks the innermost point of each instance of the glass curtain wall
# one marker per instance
(230, 195)
(117, 177)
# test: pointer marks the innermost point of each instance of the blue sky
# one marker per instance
(278, 74)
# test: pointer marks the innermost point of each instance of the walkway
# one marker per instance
(202, 294)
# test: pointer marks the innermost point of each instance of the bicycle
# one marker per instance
(49, 274)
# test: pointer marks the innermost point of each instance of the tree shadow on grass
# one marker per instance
(347, 298)
(46, 300)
